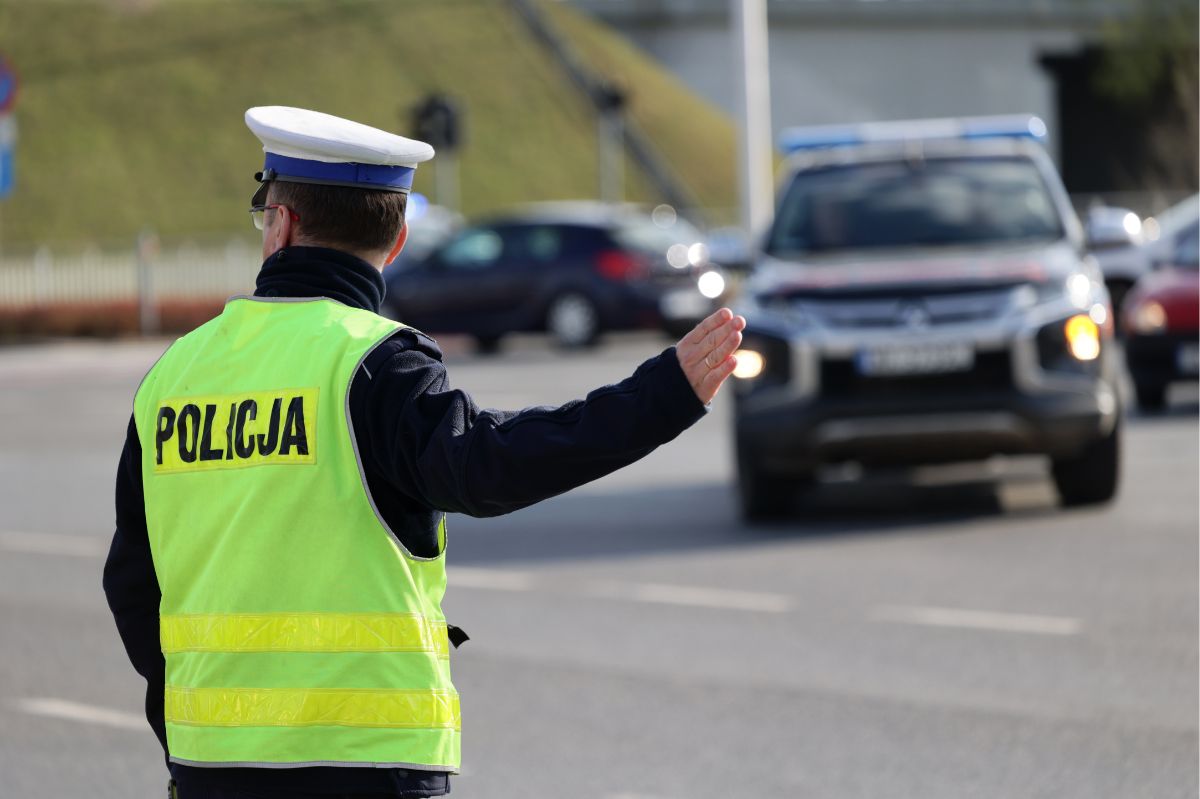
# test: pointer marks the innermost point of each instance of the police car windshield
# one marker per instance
(917, 203)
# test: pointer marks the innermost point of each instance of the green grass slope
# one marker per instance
(130, 113)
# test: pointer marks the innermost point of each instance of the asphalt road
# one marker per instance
(954, 637)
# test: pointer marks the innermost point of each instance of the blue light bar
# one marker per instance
(1016, 126)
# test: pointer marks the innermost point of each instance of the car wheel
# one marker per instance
(573, 320)
(1092, 476)
(763, 496)
(1150, 397)
(487, 345)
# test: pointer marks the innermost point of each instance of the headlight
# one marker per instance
(1148, 318)
(711, 284)
(1083, 337)
(1079, 290)
(750, 364)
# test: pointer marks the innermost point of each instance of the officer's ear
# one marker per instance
(279, 229)
(399, 245)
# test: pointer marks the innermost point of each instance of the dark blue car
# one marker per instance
(574, 270)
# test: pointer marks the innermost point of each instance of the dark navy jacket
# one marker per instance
(426, 449)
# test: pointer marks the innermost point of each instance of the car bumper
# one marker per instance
(797, 437)
(1159, 360)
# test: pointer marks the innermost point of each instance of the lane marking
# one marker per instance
(690, 596)
(76, 546)
(492, 579)
(88, 714)
(977, 620)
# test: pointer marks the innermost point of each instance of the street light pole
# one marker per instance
(754, 130)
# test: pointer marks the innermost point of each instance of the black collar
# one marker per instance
(321, 272)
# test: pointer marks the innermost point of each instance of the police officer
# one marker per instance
(279, 557)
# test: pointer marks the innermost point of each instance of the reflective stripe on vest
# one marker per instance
(293, 707)
(303, 632)
(296, 629)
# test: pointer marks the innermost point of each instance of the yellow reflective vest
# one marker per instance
(296, 628)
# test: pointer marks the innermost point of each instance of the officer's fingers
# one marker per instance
(714, 340)
(725, 347)
(712, 381)
(710, 342)
(706, 326)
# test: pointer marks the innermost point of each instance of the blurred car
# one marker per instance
(574, 270)
(1162, 320)
(923, 296)
(1126, 247)
(428, 226)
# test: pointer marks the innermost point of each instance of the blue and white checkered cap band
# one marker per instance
(365, 176)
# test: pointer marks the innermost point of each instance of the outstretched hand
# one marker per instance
(706, 353)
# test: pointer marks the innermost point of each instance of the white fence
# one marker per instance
(147, 276)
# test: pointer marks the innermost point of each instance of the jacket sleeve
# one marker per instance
(131, 586)
(436, 446)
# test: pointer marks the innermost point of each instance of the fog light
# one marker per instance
(1149, 317)
(749, 364)
(1083, 338)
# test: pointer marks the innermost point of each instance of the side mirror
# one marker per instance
(1110, 228)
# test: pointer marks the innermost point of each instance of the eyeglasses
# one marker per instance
(259, 212)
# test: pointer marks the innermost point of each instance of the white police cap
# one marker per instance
(310, 147)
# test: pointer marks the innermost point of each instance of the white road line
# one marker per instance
(493, 579)
(977, 620)
(720, 598)
(76, 546)
(88, 714)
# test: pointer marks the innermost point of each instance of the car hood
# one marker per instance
(1170, 283)
(912, 270)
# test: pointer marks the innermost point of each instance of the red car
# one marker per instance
(1162, 317)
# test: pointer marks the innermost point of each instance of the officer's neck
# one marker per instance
(302, 271)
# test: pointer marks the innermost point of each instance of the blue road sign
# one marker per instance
(8, 142)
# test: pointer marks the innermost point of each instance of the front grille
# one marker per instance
(992, 373)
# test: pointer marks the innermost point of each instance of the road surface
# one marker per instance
(956, 636)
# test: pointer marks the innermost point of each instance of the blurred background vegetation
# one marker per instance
(130, 113)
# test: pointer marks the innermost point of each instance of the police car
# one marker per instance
(923, 296)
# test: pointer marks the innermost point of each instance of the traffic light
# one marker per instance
(438, 121)
(609, 98)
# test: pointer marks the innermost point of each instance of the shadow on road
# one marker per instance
(663, 520)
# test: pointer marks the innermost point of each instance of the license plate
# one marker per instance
(926, 359)
(687, 304)
(1187, 357)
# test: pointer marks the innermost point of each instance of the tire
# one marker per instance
(1150, 397)
(487, 345)
(573, 320)
(1092, 476)
(764, 497)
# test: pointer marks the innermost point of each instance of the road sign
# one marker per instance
(8, 86)
(8, 141)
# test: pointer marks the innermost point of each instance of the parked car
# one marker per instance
(574, 270)
(1162, 320)
(1126, 247)
(924, 297)
(428, 226)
